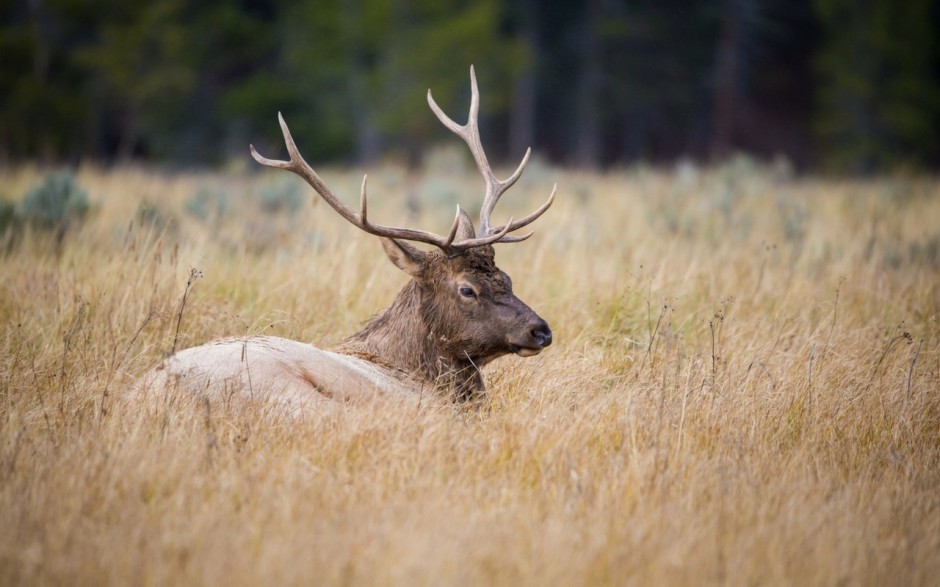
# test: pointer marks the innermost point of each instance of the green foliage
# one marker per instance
(44, 107)
(139, 63)
(363, 69)
(58, 204)
(596, 82)
(878, 96)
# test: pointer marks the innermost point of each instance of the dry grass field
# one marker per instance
(744, 388)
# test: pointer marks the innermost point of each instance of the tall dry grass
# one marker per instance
(743, 390)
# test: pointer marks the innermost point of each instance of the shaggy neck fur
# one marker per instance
(402, 337)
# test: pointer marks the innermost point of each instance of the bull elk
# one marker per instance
(456, 314)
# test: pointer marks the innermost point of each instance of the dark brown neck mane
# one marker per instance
(402, 338)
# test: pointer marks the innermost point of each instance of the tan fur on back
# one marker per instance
(291, 374)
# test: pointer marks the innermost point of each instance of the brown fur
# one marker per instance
(431, 337)
(433, 332)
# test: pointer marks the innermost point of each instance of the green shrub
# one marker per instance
(281, 196)
(208, 204)
(57, 204)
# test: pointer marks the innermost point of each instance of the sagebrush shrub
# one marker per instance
(58, 204)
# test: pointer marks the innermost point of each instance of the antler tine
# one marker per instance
(363, 201)
(495, 188)
(489, 203)
(516, 239)
(526, 220)
(298, 166)
(454, 227)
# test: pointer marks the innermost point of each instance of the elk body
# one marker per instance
(456, 314)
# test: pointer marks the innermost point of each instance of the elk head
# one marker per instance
(459, 310)
(466, 303)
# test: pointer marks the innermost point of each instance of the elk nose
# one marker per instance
(542, 333)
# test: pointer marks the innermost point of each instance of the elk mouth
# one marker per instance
(523, 351)
(539, 337)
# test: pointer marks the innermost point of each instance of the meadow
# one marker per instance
(744, 387)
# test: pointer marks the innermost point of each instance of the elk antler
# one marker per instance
(300, 167)
(495, 188)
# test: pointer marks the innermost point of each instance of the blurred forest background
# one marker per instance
(847, 86)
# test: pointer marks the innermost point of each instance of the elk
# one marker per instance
(456, 314)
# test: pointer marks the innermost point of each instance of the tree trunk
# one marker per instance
(724, 92)
(523, 106)
(588, 133)
(368, 141)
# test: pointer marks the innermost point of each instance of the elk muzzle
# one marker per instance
(536, 336)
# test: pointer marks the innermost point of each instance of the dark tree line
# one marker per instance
(848, 85)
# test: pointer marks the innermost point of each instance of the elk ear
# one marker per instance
(406, 257)
(465, 229)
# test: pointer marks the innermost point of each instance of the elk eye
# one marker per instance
(467, 292)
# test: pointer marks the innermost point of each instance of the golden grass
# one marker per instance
(743, 390)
